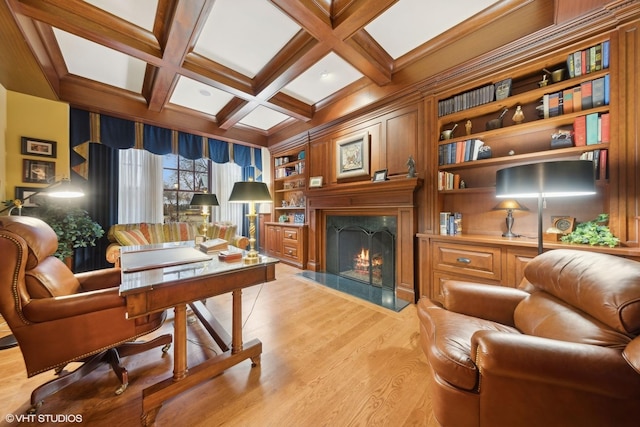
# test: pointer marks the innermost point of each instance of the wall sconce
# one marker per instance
(565, 178)
(251, 192)
(509, 205)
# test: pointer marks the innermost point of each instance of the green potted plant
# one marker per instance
(73, 226)
(593, 233)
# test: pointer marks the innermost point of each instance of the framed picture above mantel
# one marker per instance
(352, 156)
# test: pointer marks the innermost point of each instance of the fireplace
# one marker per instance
(365, 200)
(362, 248)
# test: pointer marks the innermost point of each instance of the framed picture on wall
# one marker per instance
(352, 156)
(315, 182)
(37, 147)
(29, 196)
(38, 171)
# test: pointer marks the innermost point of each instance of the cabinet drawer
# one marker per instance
(440, 277)
(291, 234)
(476, 261)
(290, 251)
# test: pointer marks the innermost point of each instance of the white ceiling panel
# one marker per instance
(410, 23)
(263, 118)
(198, 96)
(325, 77)
(244, 34)
(139, 12)
(95, 62)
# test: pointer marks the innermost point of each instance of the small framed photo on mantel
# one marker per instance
(37, 147)
(315, 182)
(380, 175)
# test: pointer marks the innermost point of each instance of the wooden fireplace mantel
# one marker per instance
(393, 197)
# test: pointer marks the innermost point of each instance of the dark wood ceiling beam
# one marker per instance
(235, 111)
(332, 38)
(358, 14)
(186, 23)
(89, 22)
(294, 107)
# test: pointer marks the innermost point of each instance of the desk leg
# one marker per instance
(237, 346)
(180, 342)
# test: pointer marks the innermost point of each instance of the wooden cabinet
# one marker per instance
(287, 242)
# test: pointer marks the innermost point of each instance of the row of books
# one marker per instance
(589, 60)
(590, 94)
(448, 181)
(592, 129)
(450, 223)
(600, 160)
(458, 152)
(290, 170)
(463, 101)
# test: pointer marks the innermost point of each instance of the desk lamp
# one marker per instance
(509, 205)
(62, 189)
(251, 192)
(565, 178)
(205, 200)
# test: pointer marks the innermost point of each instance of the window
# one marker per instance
(181, 179)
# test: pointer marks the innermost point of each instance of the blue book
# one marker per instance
(607, 86)
(605, 54)
(592, 128)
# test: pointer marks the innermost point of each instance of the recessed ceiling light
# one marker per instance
(204, 92)
(324, 75)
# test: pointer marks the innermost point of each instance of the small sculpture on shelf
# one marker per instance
(468, 127)
(411, 164)
(497, 123)
(518, 116)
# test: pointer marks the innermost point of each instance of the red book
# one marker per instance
(577, 99)
(580, 131)
(603, 170)
(605, 127)
(587, 95)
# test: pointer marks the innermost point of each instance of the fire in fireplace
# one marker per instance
(362, 248)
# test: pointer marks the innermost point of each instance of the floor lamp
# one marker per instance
(62, 189)
(565, 178)
(251, 192)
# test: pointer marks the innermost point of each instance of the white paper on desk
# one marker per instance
(158, 258)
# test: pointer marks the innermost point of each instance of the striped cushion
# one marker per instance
(130, 237)
(226, 231)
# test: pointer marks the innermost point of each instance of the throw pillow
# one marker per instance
(130, 237)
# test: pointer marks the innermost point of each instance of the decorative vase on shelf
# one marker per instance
(518, 116)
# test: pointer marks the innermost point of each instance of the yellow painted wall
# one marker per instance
(35, 118)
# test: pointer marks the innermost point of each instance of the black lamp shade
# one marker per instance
(249, 191)
(204, 199)
(548, 179)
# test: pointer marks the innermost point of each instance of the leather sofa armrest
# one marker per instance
(489, 302)
(55, 308)
(525, 359)
(99, 279)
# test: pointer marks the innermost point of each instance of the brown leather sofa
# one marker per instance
(58, 317)
(563, 350)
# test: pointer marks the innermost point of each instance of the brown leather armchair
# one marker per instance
(563, 350)
(58, 317)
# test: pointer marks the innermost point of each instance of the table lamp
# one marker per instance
(565, 178)
(251, 192)
(509, 205)
(62, 189)
(205, 200)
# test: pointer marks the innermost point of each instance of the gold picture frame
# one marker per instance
(352, 156)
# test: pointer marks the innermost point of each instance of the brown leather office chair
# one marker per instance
(58, 317)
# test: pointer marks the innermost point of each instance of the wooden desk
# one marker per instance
(158, 289)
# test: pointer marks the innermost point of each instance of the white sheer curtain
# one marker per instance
(223, 177)
(140, 187)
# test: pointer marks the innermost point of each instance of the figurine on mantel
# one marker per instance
(518, 116)
(412, 167)
(468, 127)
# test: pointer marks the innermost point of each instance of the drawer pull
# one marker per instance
(289, 252)
(464, 260)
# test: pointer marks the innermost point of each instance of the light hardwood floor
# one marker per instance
(328, 359)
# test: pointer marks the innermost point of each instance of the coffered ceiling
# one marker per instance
(243, 70)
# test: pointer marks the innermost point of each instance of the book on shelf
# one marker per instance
(214, 245)
(586, 89)
(577, 99)
(580, 131)
(607, 86)
(592, 129)
(444, 222)
(600, 162)
(598, 92)
(567, 101)
(605, 126)
(554, 104)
